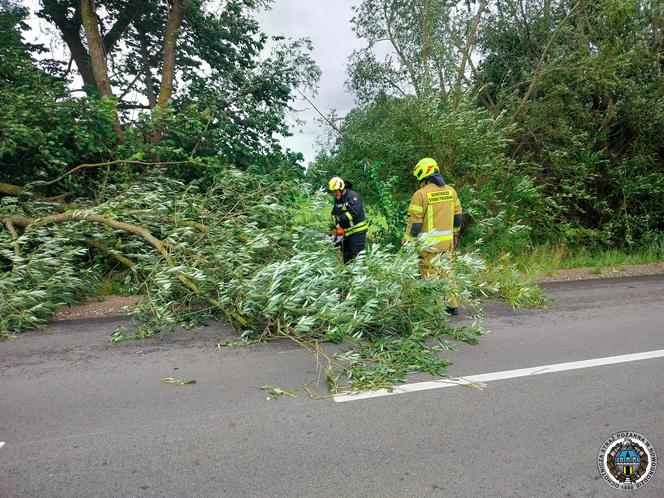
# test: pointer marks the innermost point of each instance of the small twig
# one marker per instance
(130, 87)
(199, 226)
(327, 120)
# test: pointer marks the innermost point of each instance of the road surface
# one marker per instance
(82, 417)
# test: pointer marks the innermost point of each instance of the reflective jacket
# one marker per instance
(434, 214)
(348, 213)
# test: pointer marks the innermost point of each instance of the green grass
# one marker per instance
(546, 259)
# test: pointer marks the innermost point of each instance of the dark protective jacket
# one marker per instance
(348, 213)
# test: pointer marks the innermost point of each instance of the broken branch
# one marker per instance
(120, 225)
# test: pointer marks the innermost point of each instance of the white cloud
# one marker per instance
(327, 24)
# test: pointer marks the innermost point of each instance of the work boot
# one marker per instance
(453, 311)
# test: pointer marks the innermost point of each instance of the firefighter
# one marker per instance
(434, 215)
(349, 221)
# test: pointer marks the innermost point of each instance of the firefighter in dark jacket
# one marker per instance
(349, 221)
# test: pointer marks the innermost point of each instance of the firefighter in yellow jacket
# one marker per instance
(434, 215)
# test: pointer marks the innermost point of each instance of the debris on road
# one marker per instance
(178, 382)
(277, 392)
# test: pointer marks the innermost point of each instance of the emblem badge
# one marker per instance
(627, 461)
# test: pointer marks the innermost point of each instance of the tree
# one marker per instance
(573, 90)
(429, 48)
(583, 83)
(216, 91)
(44, 129)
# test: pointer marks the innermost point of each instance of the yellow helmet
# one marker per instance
(424, 168)
(336, 183)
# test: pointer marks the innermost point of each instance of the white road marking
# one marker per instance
(2, 443)
(506, 374)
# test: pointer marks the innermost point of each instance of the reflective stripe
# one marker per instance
(430, 217)
(408, 238)
(360, 227)
(438, 232)
(350, 218)
(415, 208)
(437, 235)
(439, 238)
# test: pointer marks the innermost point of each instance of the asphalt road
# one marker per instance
(81, 417)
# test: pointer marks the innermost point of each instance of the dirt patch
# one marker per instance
(602, 272)
(110, 306)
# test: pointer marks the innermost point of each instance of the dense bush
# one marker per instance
(504, 206)
(547, 118)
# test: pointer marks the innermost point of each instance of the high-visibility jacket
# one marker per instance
(348, 213)
(434, 214)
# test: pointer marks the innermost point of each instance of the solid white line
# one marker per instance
(506, 374)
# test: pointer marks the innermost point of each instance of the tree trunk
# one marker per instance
(147, 73)
(425, 47)
(414, 80)
(69, 28)
(465, 56)
(657, 35)
(90, 23)
(175, 16)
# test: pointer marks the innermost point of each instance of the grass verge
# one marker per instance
(547, 259)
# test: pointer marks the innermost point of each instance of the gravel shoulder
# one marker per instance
(114, 306)
(108, 306)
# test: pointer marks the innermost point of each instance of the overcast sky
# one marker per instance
(327, 24)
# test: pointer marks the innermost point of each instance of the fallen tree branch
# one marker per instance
(158, 244)
(15, 191)
(9, 189)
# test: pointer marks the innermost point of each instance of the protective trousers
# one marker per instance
(426, 270)
(352, 245)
